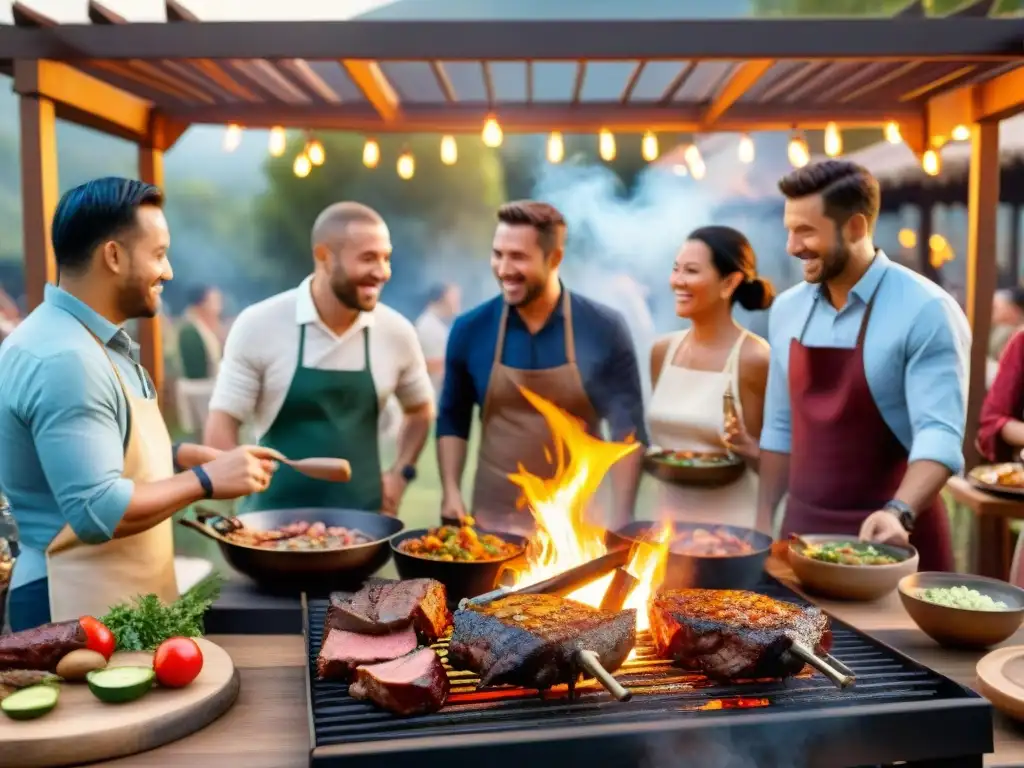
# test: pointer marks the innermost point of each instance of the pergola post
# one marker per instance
(151, 171)
(982, 216)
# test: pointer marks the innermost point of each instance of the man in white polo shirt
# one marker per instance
(311, 368)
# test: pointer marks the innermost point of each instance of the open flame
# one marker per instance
(564, 537)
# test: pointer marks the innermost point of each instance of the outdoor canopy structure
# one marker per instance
(148, 82)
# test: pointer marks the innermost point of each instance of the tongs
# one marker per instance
(829, 666)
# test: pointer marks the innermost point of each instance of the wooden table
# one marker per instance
(267, 727)
(992, 515)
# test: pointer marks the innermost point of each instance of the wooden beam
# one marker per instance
(369, 78)
(982, 224)
(740, 81)
(1000, 97)
(151, 171)
(39, 193)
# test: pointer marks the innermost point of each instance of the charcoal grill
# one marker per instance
(898, 712)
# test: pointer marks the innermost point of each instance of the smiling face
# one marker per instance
(140, 264)
(520, 265)
(697, 284)
(360, 266)
(815, 239)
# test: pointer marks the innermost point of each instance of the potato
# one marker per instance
(76, 664)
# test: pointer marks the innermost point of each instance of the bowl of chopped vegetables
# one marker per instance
(466, 559)
(693, 468)
(843, 568)
(961, 610)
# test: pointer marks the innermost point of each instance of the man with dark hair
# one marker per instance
(570, 350)
(867, 389)
(87, 462)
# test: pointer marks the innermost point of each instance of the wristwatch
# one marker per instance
(903, 513)
(408, 472)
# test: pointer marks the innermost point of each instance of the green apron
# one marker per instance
(325, 413)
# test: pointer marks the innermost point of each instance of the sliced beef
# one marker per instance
(531, 640)
(41, 647)
(730, 634)
(384, 605)
(343, 651)
(414, 684)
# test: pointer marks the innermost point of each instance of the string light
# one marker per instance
(302, 166)
(961, 133)
(449, 150)
(694, 161)
(371, 153)
(798, 152)
(492, 134)
(556, 147)
(406, 165)
(232, 137)
(315, 152)
(746, 149)
(833, 140)
(892, 132)
(931, 163)
(649, 147)
(277, 142)
(606, 145)
(907, 238)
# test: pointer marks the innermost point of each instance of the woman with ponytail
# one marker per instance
(693, 369)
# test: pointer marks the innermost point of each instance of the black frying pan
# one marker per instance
(315, 571)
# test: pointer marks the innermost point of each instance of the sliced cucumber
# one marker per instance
(30, 703)
(117, 685)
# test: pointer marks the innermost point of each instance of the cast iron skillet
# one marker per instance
(308, 571)
(693, 571)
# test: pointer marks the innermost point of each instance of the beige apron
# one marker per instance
(86, 579)
(514, 432)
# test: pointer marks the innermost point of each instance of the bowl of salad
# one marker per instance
(960, 610)
(693, 468)
(843, 568)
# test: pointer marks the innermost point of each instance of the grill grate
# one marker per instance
(897, 711)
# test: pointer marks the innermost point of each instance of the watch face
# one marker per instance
(409, 473)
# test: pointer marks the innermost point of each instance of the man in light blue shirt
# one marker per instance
(865, 408)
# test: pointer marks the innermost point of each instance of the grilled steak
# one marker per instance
(343, 651)
(41, 647)
(414, 684)
(531, 640)
(729, 634)
(383, 605)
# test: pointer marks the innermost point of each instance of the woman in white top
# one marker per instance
(692, 369)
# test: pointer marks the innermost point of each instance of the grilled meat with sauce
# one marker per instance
(382, 606)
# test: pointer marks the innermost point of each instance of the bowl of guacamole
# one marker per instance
(961, 610)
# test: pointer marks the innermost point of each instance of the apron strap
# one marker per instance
(120, 381)
(499, 345)
(810, 314)
(867, 312)
(570, 339)
(300, 363)
(366, 348)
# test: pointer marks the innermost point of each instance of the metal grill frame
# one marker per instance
(951, 729)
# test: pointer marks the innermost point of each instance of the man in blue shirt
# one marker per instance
(87, 461)
(865, 408)
(571, 351)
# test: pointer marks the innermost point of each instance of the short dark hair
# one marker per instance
(547, 220)
(732, 252)
(95, 212)
(197, 294)
(846, 189)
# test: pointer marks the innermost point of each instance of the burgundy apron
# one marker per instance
(845, 461)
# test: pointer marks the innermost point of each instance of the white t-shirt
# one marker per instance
(433, 335)
(261, 355)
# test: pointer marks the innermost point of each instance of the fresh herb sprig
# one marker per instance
(147, 621)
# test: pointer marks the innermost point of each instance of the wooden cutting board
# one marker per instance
(82, 729)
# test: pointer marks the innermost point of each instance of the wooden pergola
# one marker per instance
(148, 82)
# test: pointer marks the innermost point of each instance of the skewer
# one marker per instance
(805, 654)
(838, 665)
(592, 664)
(623, 582)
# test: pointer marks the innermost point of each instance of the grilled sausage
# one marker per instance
(41, 647)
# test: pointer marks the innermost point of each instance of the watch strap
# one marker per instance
(902, 511)
(408, 472)
(204, 480)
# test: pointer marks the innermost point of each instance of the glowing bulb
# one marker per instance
(961, 133)
(833, 140)
(449, 150)
(698, 170)
(907, 238)
(892, 132)
(315, 152)
(649, 147)
(302, 166)
(278, 141)
(799, 154)
(692, 156)
(232, 137)
(680, 170)
(556, 147)
(746, 149)
(492, 134)
(606, 145)
(406, 165)
(371, 153)
(930, 163)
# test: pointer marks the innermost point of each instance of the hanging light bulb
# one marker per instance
(315, 152)
(649, 147)
(449, 150)
(606, 145)
(961, 133)
(892, 132)
(833, 140)
(692, 156)
(302, 166)
(799, 154)
(492, 134)
(232, 137)
(746, 149)
(931, 163)
(556, 147)
(371, 153)
(277, 142)
(406, 165)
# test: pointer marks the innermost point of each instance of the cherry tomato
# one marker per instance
(97, 637)
(177, 662)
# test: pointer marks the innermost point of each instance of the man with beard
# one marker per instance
(87, 462)
(311, 368)
(570, 350)
(867, 388)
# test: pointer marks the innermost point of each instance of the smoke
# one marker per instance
(764, 747)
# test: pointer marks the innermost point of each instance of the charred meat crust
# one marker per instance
(415, 684)
(382, 606)
(41, 647)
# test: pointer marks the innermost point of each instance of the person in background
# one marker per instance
(570, 350)
(199, 351)
(1007, 319)
(433, 327)
(693, 369)
(311, 368)
(10, 315)
(1001, 425)
(88, 464)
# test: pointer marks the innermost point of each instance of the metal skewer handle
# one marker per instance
(804, 653)
(592, 664)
